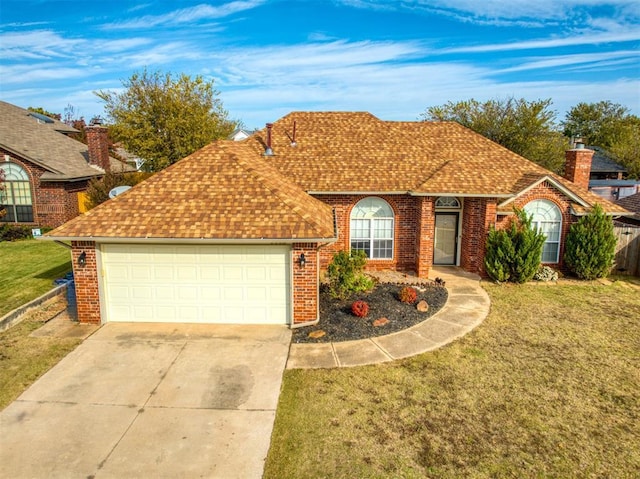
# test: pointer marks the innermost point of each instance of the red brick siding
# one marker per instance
(478, 215)
(546, 191)
(425, 232)
(405, 209)
(54, 203)
(98, 144)
(86, 282)
(578, 166)
(305, 282)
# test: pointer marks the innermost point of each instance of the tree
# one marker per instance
(591, 245)
(526, 128)
(513, 254)
(98, 188)
(162, 119)
(610, 126)
(42, 111)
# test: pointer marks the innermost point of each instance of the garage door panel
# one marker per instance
(208, 284)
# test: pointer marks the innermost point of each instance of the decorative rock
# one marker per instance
(380, 322)
(317, 334)
(422, 306)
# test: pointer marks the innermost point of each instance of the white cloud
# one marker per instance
(185, 15)
(620, 57)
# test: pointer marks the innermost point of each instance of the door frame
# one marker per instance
(456, 237)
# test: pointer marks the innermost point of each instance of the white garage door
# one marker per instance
(197, 284)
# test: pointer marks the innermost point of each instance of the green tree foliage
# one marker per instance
(610, 126)
(513, 254)
(591, 245)
(162, 118)
(526, 128)
(42, 111)
(98, 188)
(345, 274)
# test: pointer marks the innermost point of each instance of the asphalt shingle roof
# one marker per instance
(220, 192)
(232, 190)
(46, 145)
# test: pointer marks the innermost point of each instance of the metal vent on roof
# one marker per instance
(41, 118)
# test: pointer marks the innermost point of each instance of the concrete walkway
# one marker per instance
(467, 306)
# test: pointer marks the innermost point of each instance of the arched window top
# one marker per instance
(447, 202)
(543, 210)
(14, 172)
(371, 207)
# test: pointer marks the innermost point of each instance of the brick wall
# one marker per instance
(425, 232)
(546, 191)
(577, 166)
(477, 217)
(98, 144)
(86, 282)
(305, 282)
(405, 209)
(54, 203)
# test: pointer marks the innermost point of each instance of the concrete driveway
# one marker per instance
(151, 400)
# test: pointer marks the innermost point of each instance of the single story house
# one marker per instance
(47, 172)
(631, 203)
(240, 231)
(608, 178)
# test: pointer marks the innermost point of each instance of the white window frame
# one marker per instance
(372, 225)
(546, 217)
(17, 193)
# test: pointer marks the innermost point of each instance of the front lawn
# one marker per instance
(547, 386)
(27, 270)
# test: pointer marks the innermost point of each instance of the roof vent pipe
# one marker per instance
(269, 150)
(293, 136)
(578, 143)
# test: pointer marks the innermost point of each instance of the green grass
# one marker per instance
(27, 270)
(23, 358)
(547, 387)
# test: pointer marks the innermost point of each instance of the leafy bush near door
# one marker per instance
(591, 245)
(513, 254)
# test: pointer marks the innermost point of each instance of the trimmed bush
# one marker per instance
(591, 245)
(408, 295)
(11, 232)
(513, 254)
(360, 309)
(345, 274)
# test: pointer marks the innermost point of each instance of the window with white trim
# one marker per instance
(372, 223)
(547, 218)
(447, 202)
(16, 196)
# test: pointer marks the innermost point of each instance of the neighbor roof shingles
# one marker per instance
(43, 144)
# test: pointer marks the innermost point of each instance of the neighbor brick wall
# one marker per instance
(546, 191)
(305, 282)
(405, 210)
(54, 203)
(98, 144)
(86, 282)
(477, 217)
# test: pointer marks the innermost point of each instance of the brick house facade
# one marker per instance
(410, 194)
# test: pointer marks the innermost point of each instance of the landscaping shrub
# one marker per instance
(408, 295)
(345, 274)
(360, 309)
(545, 273)
(591, 245)
(513, 254)
(11, 232)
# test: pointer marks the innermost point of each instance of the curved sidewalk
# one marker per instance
(467, 306)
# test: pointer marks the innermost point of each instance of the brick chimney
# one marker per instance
(577, 166)
(98, 142)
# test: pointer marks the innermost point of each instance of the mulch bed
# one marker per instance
(339, 324)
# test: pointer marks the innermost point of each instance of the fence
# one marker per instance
(627, 250)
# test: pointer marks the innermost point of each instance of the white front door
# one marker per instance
(446, 239)
(197, 284)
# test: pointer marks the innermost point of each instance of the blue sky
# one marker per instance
(269, 57)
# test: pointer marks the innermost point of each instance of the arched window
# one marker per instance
(372, 228)
(548, 219)
(16, 197)
(447, 202)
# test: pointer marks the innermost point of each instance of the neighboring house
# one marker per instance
(607, 178)
(240, 232)
(239, 135)
(631, 203)
(46, 172)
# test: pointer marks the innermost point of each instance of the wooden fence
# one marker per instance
(627, 250)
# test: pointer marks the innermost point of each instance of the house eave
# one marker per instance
(154, 240)
(555, 183)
